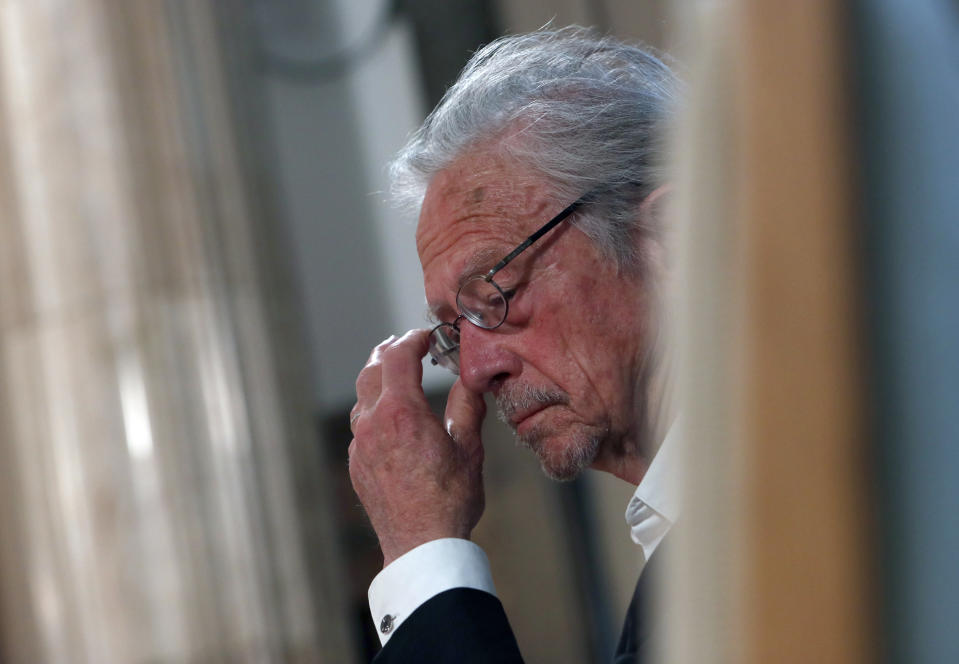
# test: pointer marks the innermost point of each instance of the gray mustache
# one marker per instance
(520, 398)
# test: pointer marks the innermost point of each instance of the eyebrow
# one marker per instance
(479, 263)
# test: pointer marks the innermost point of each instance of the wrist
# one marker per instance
(397, 548)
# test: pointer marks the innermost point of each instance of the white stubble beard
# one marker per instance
(580, 448)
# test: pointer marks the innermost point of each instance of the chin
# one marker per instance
(562, 457)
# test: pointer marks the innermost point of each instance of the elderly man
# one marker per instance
(540, 183)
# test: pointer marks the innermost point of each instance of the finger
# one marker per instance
(403, 361)
(369, 381)
(465, 411)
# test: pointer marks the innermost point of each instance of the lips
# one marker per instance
(518, 418)
(518, 403)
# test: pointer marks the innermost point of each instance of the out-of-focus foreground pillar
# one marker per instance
(151, 463)
(777, 557)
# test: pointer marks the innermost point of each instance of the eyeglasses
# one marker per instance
(482, 302)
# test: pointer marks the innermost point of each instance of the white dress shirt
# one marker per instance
(655, 505)
(444, 564)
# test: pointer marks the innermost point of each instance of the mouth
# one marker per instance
(519, 405)
(519, 418)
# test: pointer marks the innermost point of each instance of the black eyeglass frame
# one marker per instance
(488, 277)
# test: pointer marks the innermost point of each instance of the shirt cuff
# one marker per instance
(421, 573)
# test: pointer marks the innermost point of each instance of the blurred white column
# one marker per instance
(148, 442)
(343, 96)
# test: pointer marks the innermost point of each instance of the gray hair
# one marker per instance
(591, 113)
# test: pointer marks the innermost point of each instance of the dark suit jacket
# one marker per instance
(466, 626)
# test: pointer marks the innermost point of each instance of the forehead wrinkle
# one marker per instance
(481, 194)
(504, 225)
(454, 229)
(481, 260)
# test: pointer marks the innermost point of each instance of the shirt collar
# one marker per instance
(655, 505)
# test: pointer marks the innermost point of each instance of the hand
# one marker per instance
(418, 480)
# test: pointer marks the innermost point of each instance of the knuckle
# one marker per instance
(400, 341)
(351, 462)
(411, 337)
(377, 352)
(354, 457)
(383, 345)
(373, 362)
(361, 430)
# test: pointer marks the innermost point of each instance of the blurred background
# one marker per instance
(197, 253)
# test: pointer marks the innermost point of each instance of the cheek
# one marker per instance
(576, 306)
(575, 338)
(585, 331)
(606, 333)
(593, 311)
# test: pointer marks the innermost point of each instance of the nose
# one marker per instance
(485, 358)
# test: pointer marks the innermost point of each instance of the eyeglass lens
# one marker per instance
(445, 347)
(482, 302)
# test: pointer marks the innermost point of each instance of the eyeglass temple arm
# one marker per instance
(546, 228)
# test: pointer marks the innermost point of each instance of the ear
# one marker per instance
(652, 211)
(656, 240)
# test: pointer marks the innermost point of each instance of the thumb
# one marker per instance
(465, 411)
